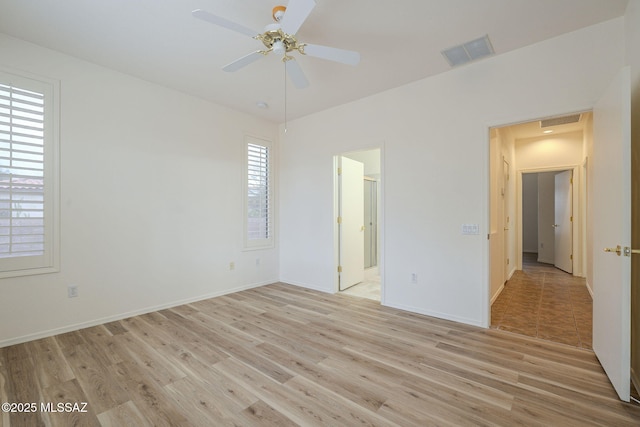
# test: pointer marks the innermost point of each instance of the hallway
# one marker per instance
(544, 302)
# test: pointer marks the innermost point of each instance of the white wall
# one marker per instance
(151, 207)
(530, 212)
(566, 149)
(435, 149)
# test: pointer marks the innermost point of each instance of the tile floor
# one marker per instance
(369, 288)
(545, 302)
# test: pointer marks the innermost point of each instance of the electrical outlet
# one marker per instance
(414, 278)
(72, 291)
(232, 265)
(257, 262)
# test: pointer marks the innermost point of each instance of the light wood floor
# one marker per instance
(282, 355)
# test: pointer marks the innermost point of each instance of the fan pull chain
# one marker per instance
(285, 95)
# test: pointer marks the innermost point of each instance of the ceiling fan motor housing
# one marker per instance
(274, 34)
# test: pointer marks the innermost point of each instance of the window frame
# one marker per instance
(269, 241)
(49, 262)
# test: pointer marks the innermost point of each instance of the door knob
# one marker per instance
(617, 250)
(556, 225)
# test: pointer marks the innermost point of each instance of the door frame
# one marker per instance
(486, 189)
(578, 238)
(506, 221)
(381, 216)
(375, 230)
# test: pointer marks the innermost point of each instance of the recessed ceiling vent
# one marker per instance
(574, 118)
(469, 51)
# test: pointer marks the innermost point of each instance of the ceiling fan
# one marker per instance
(280, 38)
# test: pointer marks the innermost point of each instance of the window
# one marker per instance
(28, 176)
(259, 195)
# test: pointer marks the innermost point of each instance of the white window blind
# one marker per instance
(26, 211)
(259, 195)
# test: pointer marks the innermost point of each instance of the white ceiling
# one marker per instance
(399, 41)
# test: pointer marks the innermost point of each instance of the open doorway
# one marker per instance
(538, 229)
(547, 218)
(358, 209)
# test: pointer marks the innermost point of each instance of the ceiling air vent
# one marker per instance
(560, 121)
(469, 51)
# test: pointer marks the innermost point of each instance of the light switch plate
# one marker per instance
(470, 229)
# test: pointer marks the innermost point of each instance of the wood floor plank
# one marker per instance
(226, 389)
(147, 395)
(95, 379)
(49, 362)
(281, 340)
(198, 405)
(343, 412)
(153, 363)
(4, 395)
(366, 394)
(75, 410)
(69, 339)
(21, 386)
(101, 342)
(115, 328)
(172, 343)
(124, 415)
(273, 393)
(284, 355)
(262, 414)
(450, 382)
(201, 346)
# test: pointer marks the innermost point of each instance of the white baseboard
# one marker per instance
(120, 316)
(465, 320)
(307, 286)
(589, 289)
(497, 294)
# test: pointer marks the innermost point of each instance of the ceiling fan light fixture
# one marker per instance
(279, 47)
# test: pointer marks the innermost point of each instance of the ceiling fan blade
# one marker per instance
(244, 61)
(348, 57)
(217, 20)
(296, 74)
(295, 15)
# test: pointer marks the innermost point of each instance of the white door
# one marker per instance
(563, 228)
(351, 227)
(611, 210)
